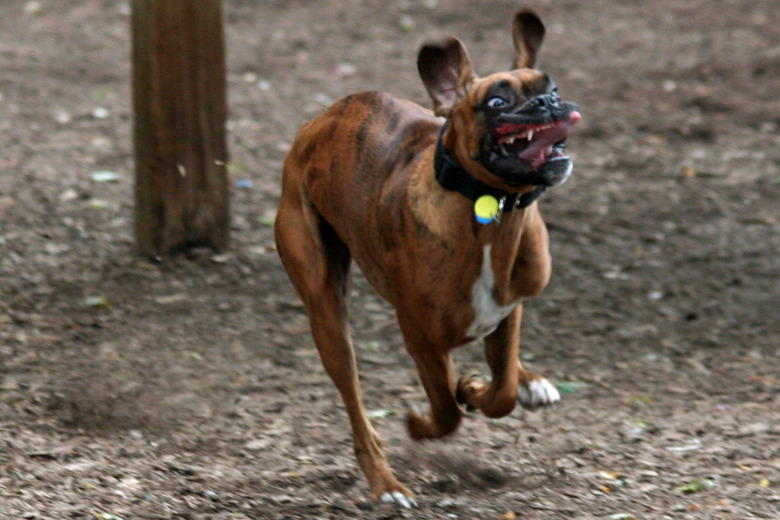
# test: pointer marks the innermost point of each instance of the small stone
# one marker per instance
(100, 113)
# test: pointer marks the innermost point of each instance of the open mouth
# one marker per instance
(535, 144)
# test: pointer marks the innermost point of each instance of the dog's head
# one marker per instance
(508, 128)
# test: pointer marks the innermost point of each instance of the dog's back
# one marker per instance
(344, 167)
(368, 129)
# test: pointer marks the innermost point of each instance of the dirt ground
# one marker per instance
(190, 389)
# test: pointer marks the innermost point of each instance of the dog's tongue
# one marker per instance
(540, 149)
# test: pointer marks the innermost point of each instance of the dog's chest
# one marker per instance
(488, 313)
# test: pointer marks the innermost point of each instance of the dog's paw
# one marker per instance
(396, 497)
(538, 392)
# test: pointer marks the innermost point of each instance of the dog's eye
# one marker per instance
(497, 102)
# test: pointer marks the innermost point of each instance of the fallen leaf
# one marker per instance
(568, 387)
(108, 516)
(343, 69)
(69, 195)
(63, 117)
(323, 99)
(33, 7)
(696, 485)
(693, 446)
(221, 258)
(98, 203)
(370, 345)
(406, 22)
(96, 301)
(376, 414)
(100, 113)
(765, 220)
(104, 176)
(655, 295)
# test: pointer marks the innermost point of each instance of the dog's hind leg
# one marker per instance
(318, 263)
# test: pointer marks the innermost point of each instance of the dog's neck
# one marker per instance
(454, 177)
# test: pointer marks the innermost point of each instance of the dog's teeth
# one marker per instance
(530, 134)
(511, 139)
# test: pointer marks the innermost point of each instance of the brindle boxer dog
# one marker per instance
(393, 186)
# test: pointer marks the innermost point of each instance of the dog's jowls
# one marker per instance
(438, 209)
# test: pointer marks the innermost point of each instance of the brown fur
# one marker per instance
(359, 184)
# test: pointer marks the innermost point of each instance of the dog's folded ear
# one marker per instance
(528, 34)
(445, 69)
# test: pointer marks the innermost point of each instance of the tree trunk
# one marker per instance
(179, 99)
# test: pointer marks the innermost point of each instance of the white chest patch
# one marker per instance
(487, 312)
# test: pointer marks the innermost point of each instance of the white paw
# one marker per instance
(538, 392)
(396, 497)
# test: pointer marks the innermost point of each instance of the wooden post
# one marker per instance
(180, 104)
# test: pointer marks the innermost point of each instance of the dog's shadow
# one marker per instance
(442, 471)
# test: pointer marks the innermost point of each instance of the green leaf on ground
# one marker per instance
(696, 485)
(568, 387)
(96, 301)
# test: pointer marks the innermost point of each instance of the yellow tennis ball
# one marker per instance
(486, 209)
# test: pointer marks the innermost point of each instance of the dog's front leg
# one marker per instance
(497, 398)
(437, 375)
(510, 381)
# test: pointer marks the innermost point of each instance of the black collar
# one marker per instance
(452, 176)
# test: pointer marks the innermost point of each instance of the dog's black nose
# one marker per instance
(551, 100)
